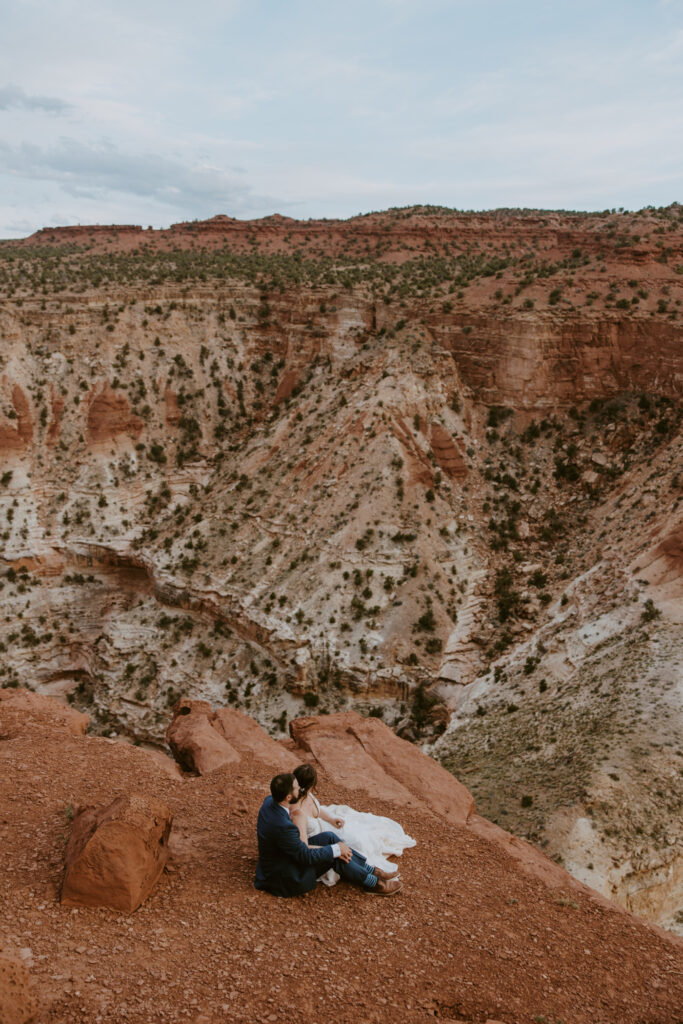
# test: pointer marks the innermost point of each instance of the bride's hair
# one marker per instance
(307, 777)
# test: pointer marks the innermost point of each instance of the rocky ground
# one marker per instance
(484, 929)
(423, 464)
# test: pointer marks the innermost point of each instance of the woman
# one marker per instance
(373, 836)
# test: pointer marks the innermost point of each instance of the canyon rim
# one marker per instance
(422, 465)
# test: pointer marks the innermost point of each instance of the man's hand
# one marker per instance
(345, 852)
(338, 823)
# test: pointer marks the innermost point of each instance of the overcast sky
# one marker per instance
(151, 112)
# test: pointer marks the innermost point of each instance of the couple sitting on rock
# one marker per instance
(296, 849)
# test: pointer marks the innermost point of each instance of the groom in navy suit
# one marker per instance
(288, 867)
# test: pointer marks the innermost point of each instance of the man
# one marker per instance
(288, 867)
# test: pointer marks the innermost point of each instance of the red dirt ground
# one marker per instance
(471, 937)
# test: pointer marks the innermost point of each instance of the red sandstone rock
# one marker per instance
(116, 853)
(16, 434)
(663, 564)
(9, 438)
(287, 384)
(23, 411)
(110, 414)
(448, 454)
(173, 413)
(195, 744)
(247, 737)
(202, 740)
(17, 1004)
(166, 763)
(365, 753)
(344, 759)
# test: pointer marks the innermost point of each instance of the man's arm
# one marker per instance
(290, 844)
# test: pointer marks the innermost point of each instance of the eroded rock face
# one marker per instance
(202, 739)
(364, 753)
(307, 496)
(16, 430)
(116, 853)
(110, 414)
(195, 744)
(17, 1003)
(662, 567)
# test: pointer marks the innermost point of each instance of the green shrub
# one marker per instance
(651, 612)
(507, 599)
(497, 415)
(426, 622)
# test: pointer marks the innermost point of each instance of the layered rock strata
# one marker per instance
(422, 464)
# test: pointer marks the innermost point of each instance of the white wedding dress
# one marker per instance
(373, 836)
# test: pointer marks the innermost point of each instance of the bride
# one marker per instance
(373, 836)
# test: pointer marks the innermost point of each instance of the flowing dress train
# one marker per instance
(372, 835)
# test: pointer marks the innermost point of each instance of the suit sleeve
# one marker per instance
(290, 845)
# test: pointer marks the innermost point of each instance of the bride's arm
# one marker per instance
(326, 816)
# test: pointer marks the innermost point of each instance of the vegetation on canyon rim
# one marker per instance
(297, 466)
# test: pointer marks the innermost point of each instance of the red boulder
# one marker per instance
(17, 1004)
(116, 853)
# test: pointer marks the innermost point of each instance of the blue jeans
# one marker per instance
(357, 871)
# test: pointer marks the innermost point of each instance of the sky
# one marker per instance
(153, 112)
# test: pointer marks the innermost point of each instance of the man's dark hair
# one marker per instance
(281, 786)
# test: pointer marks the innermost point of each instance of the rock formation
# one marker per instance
(116, 853)
(18, 1005)
(363, 753)
(203, 740)
(421, 464)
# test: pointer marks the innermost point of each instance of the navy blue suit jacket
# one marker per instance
(286, 866)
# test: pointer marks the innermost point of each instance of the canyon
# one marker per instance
(423, 465)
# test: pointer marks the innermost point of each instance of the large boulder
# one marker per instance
(116, 853)
(17, 1003)
(202, 739)
(247, 737)
(364, 753)
(195, 744)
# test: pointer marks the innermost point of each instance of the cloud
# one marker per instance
(14, 97)
(18, 228)
(85, 170)
(669, 53)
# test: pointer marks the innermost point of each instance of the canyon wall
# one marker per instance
(424, 464)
